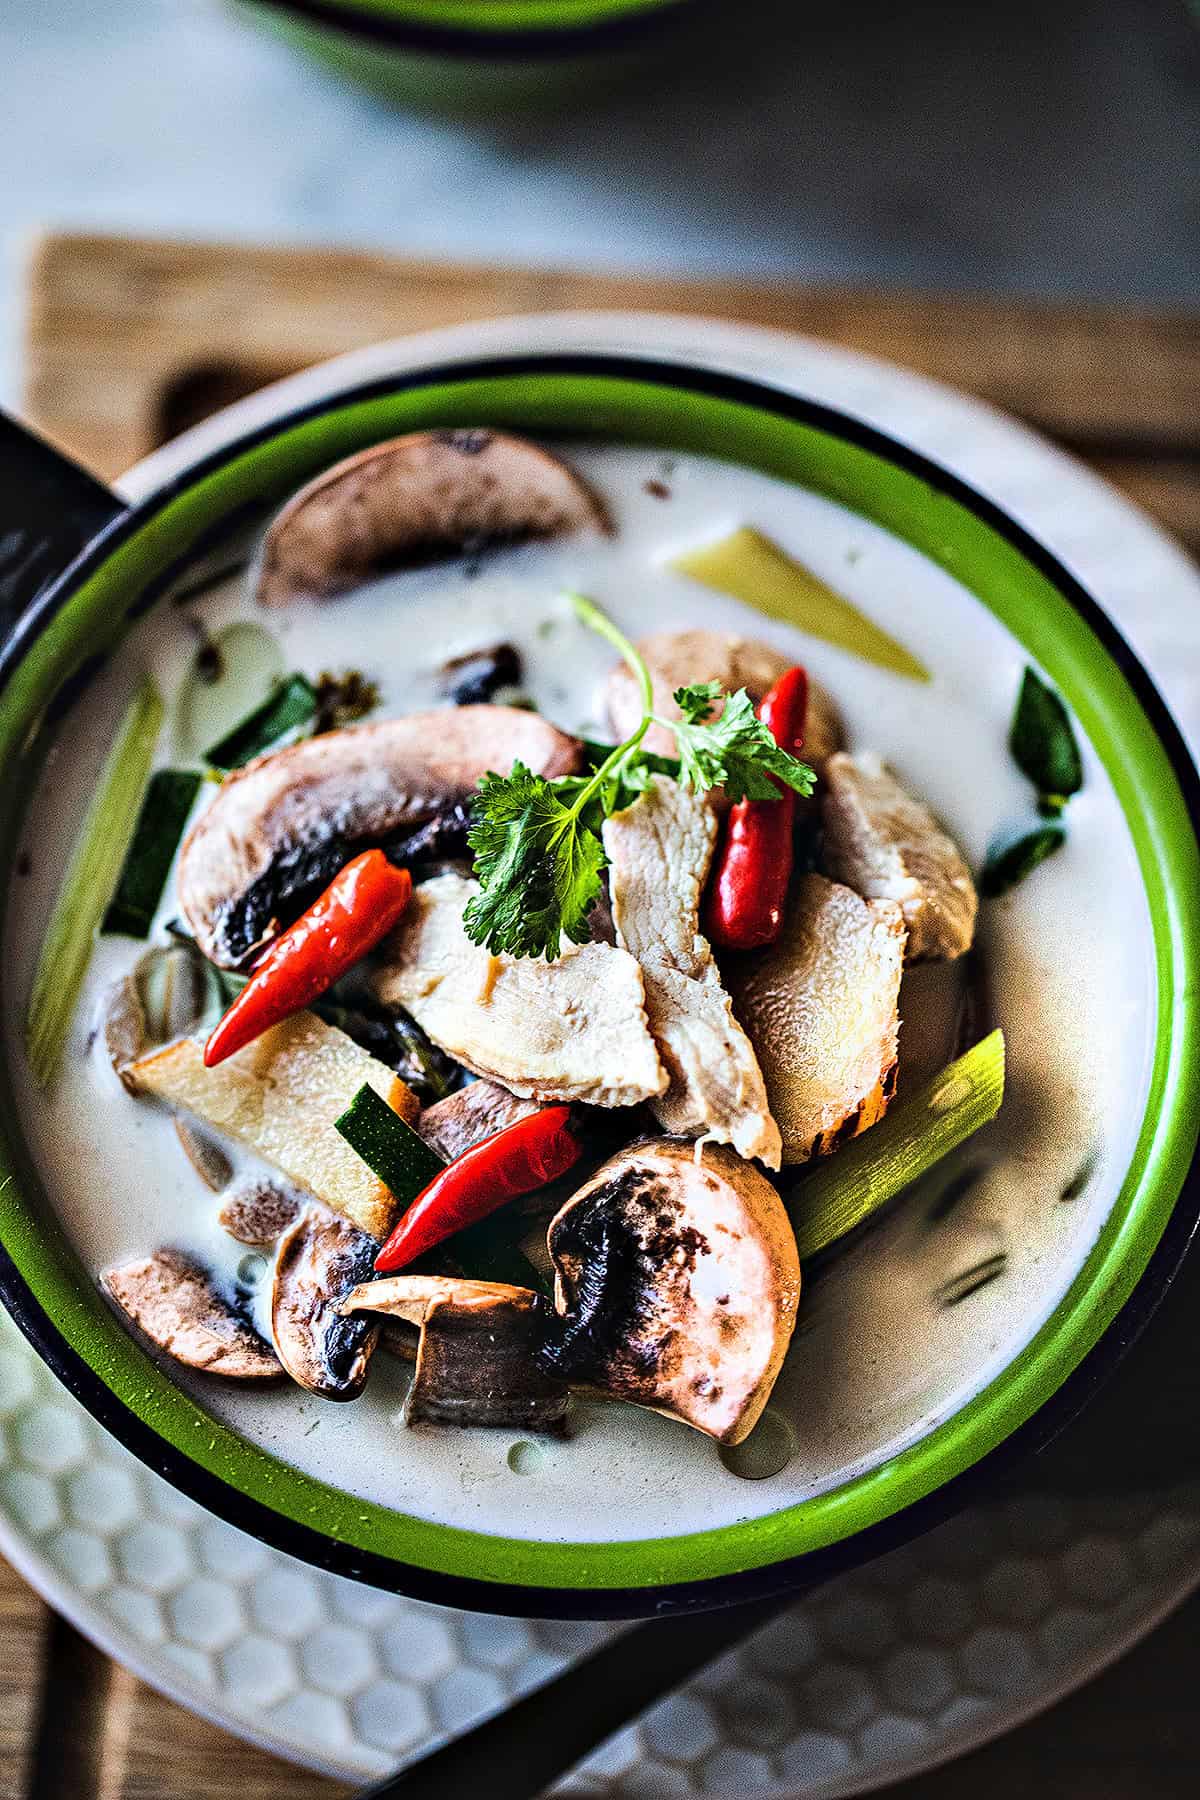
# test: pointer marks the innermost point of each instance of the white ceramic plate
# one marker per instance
(920, 1699)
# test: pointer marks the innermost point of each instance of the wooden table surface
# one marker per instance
(129, 341)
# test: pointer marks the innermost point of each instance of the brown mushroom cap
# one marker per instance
(679, 658)
(172, 1301)
(677, 1282)
(465, 1118)
(258, 1212)
(414, 498)
(279, 829)
(478, 1357)
(319, 1260)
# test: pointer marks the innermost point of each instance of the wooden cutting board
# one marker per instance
(128, 341)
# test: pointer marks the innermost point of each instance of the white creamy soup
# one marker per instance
(883, 1350)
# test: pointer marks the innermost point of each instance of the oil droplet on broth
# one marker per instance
(525, 1458)
(769, 1449)
(251, 1269)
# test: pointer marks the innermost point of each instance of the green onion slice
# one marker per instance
(165, 809)
(293, 703)
(396, 1153)
(89, 881)
(914, 1135)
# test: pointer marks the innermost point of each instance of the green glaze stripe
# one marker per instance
(505, 15)
(1052, 633)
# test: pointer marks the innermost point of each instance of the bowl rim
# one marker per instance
(1050, 1410)
(514, 30)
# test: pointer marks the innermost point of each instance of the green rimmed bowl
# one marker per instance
(767, 1537)
(475, 56)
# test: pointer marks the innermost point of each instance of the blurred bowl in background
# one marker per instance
(475, 56)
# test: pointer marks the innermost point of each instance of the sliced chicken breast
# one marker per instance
(659, 850)
(886, 845)
(821, 1010)
(572, 1029)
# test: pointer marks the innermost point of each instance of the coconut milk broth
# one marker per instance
(877, 1358)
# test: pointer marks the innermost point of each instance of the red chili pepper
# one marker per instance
(357, 909)
(754, 862)
(515, 1161)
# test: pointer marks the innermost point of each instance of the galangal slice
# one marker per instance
(280, 1096)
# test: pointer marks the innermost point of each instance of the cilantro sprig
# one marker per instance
(538, 852)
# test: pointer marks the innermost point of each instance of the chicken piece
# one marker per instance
(887, 846)
(659, 852)
(676, 1285)
(172, 1301)
(477, 1111)
(572, 1029)
(821, 1010)
(678, 658)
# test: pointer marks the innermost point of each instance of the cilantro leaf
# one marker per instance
(698, 701)
(736, 752)
(538, 865)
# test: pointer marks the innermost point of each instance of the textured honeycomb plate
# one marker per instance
(930, 1650)
(933, 1648)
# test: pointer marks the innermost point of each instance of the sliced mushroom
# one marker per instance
(821, 1010)
(478, 1357)
(678, 658)
(320, 1260)
(123, 1025)
(478, 674)
(677, 1283)
(258, 1212)
(204, 1153)
(413, 498)
(659, 850)
(571, 1029)
(475, 1112)
(169, 991)
(172, 1301)
(280, 829)
(884, 844)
